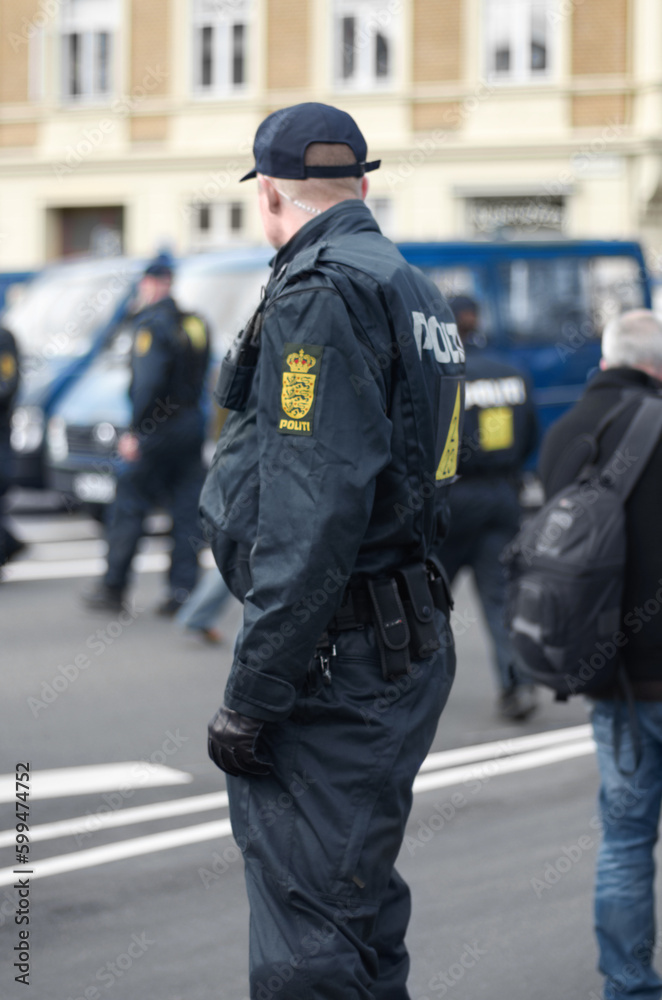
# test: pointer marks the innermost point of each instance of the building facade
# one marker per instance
(125, 124)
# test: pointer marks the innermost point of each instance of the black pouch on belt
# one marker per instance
(391, 627)
(418, 606)
(439, 586)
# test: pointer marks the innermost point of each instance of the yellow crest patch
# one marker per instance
(297, 398)
(194, 329)
(7, 366)
(143, 342)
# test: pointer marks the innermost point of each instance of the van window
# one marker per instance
(552, 299)
(471, 281)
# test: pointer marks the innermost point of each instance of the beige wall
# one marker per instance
(600, 37)
(288, 44)
(438, 39)
(14, 49)
(150, 42)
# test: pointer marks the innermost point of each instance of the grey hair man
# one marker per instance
(630, 795)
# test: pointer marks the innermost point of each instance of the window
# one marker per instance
(363, 42)
(517, 34)
(88, 31)
(516, 216)
(559, 298)
(220, 45)
(215, 224)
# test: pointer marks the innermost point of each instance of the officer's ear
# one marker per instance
(271, 198)
(365, 184)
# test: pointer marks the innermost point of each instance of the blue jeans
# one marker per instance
(630, 813)
(204, 605)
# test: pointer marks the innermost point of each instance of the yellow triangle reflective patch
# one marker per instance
(448, 463)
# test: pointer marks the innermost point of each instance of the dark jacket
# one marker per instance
(328, 471)
(642, 599)
(168, 367)
(9, 379)
(500, 426)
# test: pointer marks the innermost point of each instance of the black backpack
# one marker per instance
(566, 567)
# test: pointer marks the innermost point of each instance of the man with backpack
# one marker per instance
(628, 737)
(162, 451)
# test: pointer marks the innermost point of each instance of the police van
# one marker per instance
(542, 307)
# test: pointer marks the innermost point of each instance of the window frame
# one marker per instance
(88, 21)
(223, 24)
(521, 36)
(367, 16)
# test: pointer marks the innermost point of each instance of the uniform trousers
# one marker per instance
(484, 519)
(169, 473)
(321, 834)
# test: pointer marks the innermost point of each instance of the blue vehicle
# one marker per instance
(10, 281)
(88, 419)
(542, 307)
(63, 320)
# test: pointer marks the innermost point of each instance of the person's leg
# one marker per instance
(629, 811)
(204, 605)
(388, 941)
(491, 584)
(185, 487)
(134, 499)
(321, 834)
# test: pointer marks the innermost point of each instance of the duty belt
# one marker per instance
(401, 609)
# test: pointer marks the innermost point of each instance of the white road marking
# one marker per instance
(148, 562)
(25, 570)
(91, 778)
(93, 822)
(503, 748)
(505, 765)
(484, 771)
(118, 852)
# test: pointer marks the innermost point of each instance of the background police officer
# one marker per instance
(162, 450)
(9, 381)
(500, 431)
(321, 505)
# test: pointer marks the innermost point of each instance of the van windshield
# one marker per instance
(226, 300)
(553, 299)
(63, 308)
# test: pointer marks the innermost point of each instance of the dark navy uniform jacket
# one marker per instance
(329, 469)
(500, 426)
(168, 365)
(9, 378)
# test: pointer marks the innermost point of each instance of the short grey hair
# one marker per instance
(633, 340)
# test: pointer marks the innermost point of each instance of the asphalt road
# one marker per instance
(142, 897)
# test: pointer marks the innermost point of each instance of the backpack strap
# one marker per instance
(635, 448)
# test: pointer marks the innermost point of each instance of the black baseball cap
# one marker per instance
(282, 139)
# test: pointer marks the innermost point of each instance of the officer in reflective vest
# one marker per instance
(500, 431)
(345, 398)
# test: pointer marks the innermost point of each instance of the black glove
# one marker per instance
(231, 743)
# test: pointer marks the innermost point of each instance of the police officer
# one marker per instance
(320, 505)
(9, 381)
(162, 450)
(500, 431)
